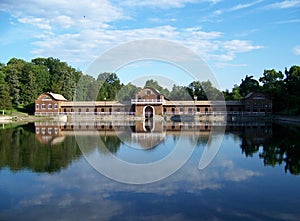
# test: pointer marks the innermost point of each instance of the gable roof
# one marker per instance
(251, 94)
(57, 97)
(153, 89)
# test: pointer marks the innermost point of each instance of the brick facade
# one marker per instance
(149, 102)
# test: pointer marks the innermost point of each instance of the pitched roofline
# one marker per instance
(55, 96)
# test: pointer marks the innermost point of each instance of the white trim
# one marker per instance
(144, 126)
(144, 108)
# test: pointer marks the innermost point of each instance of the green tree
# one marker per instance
(5, 99)
(87, 89)
(13, 71)
(292, 82)
(154, 84)
(127, 92)
(211, 92)
(179, 93)
(28, 84)
(109, 86)
(195, 90)
(274, 86)
(248, 85)
(42, 75)
(204, 90)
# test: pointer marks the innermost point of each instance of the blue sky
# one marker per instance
(234, 37)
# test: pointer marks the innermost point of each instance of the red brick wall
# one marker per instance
(45, 104)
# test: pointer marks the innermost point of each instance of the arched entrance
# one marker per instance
(148, 112)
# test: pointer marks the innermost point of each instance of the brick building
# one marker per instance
(149, 102)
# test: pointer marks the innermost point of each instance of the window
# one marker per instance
(55, 106)
(87, 110)
(198, 109)
(49, 130)
(102, 109)
(49, 106)
(37, 130)
(79, 110)
(43, 106)
(190, 110)
(37, 106)
(148, 92)
(254, 105)
(173, 110)
(72, 110)
(56, 130)
(43, 131)
(181, 109)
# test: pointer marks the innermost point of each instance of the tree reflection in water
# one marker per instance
(22, 148)
(281, 147)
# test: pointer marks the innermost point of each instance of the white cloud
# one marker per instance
(162, 20)
(84, 46)
(223, 65)
(243, 6)
(63, 14)
(78, 32)
(285, 4)
(296, 50)
(288, 21)
(238, 46)
(165, 4)
(38, 22)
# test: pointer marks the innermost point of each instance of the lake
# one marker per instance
(54, 171)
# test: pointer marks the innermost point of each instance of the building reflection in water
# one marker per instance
(150, 133)
(274, 144)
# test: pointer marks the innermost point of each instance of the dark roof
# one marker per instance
(256, 92)
(249, 95)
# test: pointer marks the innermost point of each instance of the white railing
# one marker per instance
(148, 101)
(82, 113)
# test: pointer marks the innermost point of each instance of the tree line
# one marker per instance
(21, 82)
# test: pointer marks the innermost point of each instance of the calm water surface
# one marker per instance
(255, 175)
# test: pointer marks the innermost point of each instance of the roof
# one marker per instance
(58, 97)
(260, 93)
(208, 103)
(249, 95)
(92, 103)
(153, 89)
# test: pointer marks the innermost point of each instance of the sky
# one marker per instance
(235, 38)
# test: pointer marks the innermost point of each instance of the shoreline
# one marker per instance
(65, 118)
(287, 119)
